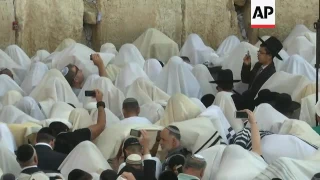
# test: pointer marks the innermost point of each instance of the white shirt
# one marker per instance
(44, 144)
(149, 157)
(135, 120)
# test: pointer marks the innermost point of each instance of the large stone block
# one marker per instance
(212, 20)
(44, 24)
(7, 35)
(123, 21)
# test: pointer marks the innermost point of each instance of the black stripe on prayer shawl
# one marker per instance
(215, 141)
(230, 135)
(312, 145)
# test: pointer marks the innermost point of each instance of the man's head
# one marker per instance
(185, 59)
(170, 138)
(45, 135)
(26, 156)
(78, 174)
(130, 108)
(8, 177)
(74, 76)
(265, 57)
(108, 175)
(135, 161)
(195, 165)
(6, 72)
(131, 146)
(58, 127)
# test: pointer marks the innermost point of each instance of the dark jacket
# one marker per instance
(49, 160)
(148, 172)
(248, 77)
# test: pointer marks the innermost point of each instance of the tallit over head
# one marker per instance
(203, 76)
(40, 55)
(8, 163)
(12, 115)
(152, 67)
(8, 84)
(176, 77)
(7, 138)
(128, 53)
(112, 119)
(228, 45)
(29, 106)
(80, 118)
(19, 56)
(309, 109)
(18, 71)
(109, 48)
(11, 97)
(298, 30)
(303, 47)
(65, 44)
(152, 111)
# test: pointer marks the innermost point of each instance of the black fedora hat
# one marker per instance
(284, 104)
(265, 96)
(224, 76)
(273, 45)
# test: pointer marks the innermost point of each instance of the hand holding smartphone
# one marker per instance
(135, 133)
(241, 115)
(90, 93)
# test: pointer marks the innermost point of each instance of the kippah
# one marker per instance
(25, 153)
(198, 157)
(134, 159)
(173, 130)
(65, 71)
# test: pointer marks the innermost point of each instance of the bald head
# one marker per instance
(130, 107)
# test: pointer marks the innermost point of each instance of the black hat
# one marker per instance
(265, 96)
(225, 76)
(273, 45)
(284, 104)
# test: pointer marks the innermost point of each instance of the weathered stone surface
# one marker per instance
(45, 23)
(213, 21)
(7, 35)
(240, 2)
(90, 13)
(289, 13)
(123, 21)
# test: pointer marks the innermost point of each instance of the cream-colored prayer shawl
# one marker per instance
(7, 138)
(128, 53)
(203, 76)
(65, 44)
(80, 118)
(308, 110)
(152, 67)
(8, 84)
(19, 56)
(8, 163)
(18, 71)
(11, 97)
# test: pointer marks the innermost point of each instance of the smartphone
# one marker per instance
(135, 133)
(241, 115)
(90, 93)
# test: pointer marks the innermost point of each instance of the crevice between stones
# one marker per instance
(183, 11)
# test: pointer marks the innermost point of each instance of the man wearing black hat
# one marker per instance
(263, 69)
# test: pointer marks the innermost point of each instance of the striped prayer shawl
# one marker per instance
(213, 140)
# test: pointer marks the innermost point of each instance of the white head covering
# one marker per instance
(8, 84)
(111, 118)
(152, 67)
(19, 56)
(65, 44)
(80, 118)
(128, 53)
(280, 63)
(60, 110)
(85, 156)
(29, 106)
(203, 76)
(228, 45)
(8, 163)
(309, 109)
(196, 50)
(47, 122)
(303, 47)
(34, 76)
(175, 77)
(112, 96)
(179, 108)
(298, 30)
(154, 44)
(55, 86)
(197, 102)
(41, 55)
(144, 91)
(6, 137)
(109, 48)
(12, 115)
(128, 74)
(112, 71)
(11, 97)
(152, 111)
(18, 71)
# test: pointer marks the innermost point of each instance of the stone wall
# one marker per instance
(7, 35)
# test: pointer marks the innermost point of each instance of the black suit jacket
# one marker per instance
(49, 160)
(248, 77)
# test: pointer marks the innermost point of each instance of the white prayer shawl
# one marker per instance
(198, 134)
(12, 115)
(109, 48)
(308, 110)
(144, 91)
(55, 86)
(238, 163)
(218, 119)
(228, 45)
(225, 102)
(29, 106)
(65, 44)
(213, 157)
(112, 96)
(17, 71)
(7, 84)
(197, 102)
(35, 74)
(203, 76)
(128, 74)
(47, 122)
(298, 30)
(135, 120)
(303, 47)
(115, 136)
(154, 44)
(234, 62)
(195, 49)
(85, 156)
(11, 97)
(111, 118)
(312, 37)
(40, 55)
(19, 56)
(175, 77)
(60, 110)
(280, 63)
(128, 53)
(283, 82)
(301, 130)
(8, 163)
(7, 138)
(77, 54)
(288, 168)
(276, 145)
(106, 58)
(152, 111)
(80, 118)
(24, 133)
(267, 116)
(179, 108)
(112, 71)
(152, 67)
